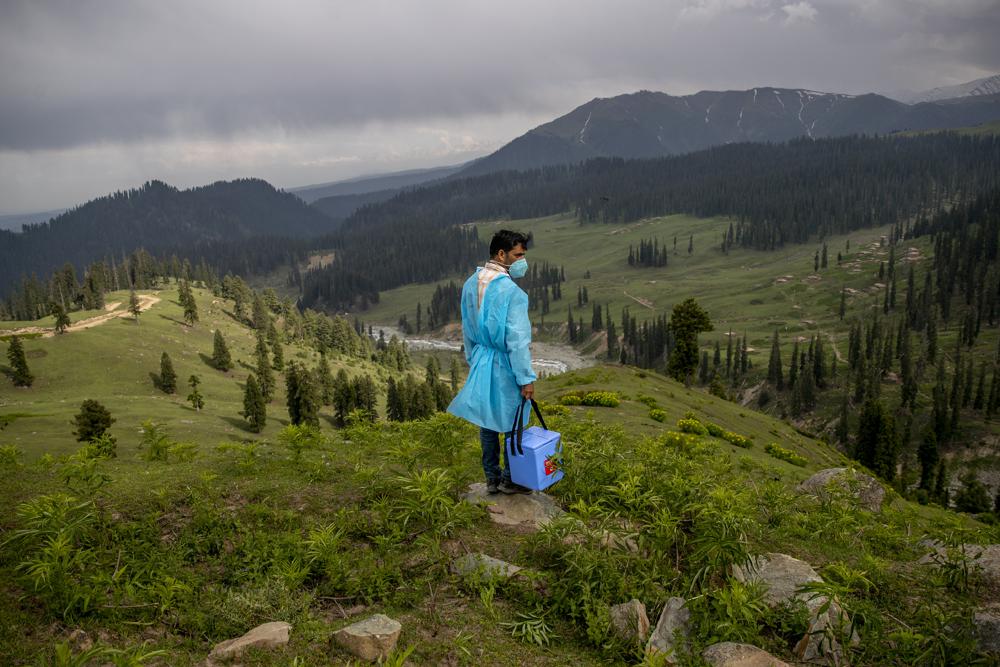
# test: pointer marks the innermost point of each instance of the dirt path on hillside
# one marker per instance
(640, 300)
(146, 302)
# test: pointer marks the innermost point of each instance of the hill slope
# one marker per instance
(160, 218)
(179, 554)
(649, 124)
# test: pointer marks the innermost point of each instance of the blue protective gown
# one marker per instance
(497, 333)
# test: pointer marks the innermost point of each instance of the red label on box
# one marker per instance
(550, 466)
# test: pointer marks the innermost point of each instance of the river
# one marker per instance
(546, 358)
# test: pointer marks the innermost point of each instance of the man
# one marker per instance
(497, 332)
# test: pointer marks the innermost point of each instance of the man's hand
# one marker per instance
(528, 391)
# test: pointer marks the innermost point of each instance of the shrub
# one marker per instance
(690, 425)
(605, 399)
(553, 409)
(648, 401)
(92, 421)
(714, 430)
(779, 452)
(9, 455)
(737, 439)
(657, 414)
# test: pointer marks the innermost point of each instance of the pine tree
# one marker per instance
(774, 373)
(133, 306)
(929, 457)
(92, 421)
(729, 354)
(932, 337)
(195, 398)
(703, 369)
(325, 381)
(394, 410)
(571, 325)
(278, 359)
(261, 318)
(301, 396)
(691, 244)
(843, 424)
(876, 446)
(595, 319)
(62, 318)
(453, 373)
(265, 377)
(221, 359)
(188, 303)
(612, 337)
(793, 367)
(344, 400)
(687, 320)
(941, 484)
(19, 372)
(254, 405)
(843, 301)
(979, 401)
(168, 378)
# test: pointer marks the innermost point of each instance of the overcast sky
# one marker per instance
(99, 95)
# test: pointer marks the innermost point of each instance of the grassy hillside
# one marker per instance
(113, 363)
(327, 528)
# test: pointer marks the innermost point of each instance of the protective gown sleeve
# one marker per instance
(518, 337)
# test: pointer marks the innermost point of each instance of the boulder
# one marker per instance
(986, 621)
(486, 565)
(630, 621)
(866, 489)
(731, 654)
(532, 510)
(782, 577)
(372, 639)
(670, 637)
(267, 635)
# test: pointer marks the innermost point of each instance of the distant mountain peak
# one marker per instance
(989, 85)
(649, 124)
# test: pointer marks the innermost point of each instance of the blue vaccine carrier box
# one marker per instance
(540, 466)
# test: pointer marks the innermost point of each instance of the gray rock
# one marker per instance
(986, 621)
(731, 654)
(670, 637)
(486, 565)
(630, 621)
(866, 489)
(371, 639)
(782, 577)
(533, 509)
(267, 635)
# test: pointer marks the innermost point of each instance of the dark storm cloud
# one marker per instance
(82, 73)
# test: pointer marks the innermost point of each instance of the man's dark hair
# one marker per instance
(506, 240)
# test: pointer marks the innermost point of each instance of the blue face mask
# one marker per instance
(518, 269)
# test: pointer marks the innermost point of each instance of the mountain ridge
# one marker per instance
(648, 124)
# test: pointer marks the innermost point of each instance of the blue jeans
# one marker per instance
(490, 441)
